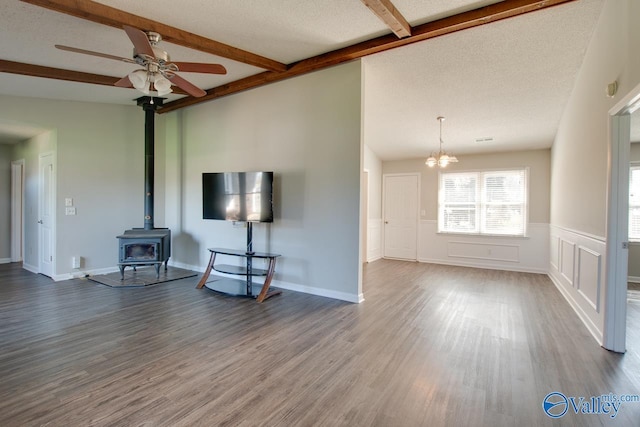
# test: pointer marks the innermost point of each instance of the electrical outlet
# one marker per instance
(75, 261)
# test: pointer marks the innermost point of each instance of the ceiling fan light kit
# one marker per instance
(158, 72)
(162, 85)
(140, 80)
(441, 159)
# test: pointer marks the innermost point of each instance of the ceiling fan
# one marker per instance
(157, 68)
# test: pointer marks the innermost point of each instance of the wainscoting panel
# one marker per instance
(567, 260)
(487, 251)
(588, 280)
(554, 252)
(528, 254)
(374, 240)
(579, 274)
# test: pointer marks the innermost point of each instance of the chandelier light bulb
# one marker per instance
(140, 80)
(162, 85)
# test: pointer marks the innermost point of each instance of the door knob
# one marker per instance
(39, 221)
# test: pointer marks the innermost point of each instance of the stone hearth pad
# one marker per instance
(144, 276)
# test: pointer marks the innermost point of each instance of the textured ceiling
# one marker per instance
(508, 80)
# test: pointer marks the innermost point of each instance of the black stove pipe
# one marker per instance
(149, 105)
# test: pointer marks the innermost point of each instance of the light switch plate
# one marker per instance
(68, 201)
(70, 211)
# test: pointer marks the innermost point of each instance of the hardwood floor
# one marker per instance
(431, 346)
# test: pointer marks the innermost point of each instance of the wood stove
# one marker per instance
(144, 247)
(148, 245)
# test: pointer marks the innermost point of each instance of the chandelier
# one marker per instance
(441, 159)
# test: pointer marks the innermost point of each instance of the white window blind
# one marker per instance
(485, 202)
(634, 203)
(458, 203)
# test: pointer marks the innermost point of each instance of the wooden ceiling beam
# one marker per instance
(61, 74)
(55, 73)
(461, 21)
(387, 12)
(116, 18)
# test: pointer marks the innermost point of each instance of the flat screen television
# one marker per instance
(238, 196)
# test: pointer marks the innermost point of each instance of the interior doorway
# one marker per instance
(365, 217)
(46, 214)
(617, 253)
(633, 264)
(17, 210)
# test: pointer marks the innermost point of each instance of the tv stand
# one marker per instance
(240, 287)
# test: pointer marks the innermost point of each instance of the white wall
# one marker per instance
(506, 253)
(579, 162)
(100, 163)
(5, 203)
(306, 130)
(373, 165)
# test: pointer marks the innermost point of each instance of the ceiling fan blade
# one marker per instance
(196, 67)
(188, 87)
(140, 41)
(90, 52)
(124, 82)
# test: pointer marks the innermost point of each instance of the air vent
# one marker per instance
(485, 140)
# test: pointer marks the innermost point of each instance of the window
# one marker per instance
(485, 202)
(634, 202)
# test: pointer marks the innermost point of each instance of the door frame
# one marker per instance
(365, 216)
(17, 210)
(53, 212)
(384, 191)
(617, 237)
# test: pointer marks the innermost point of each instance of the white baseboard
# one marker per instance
(84, 273)
(484, 266)
(115, 269)
(633, 279)
(327, 293)
(187, 266)
(5, 260)
(31, 268)
(591, 327)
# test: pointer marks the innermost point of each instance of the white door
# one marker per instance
(401, 216)
(46, 211)
(17, 191)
